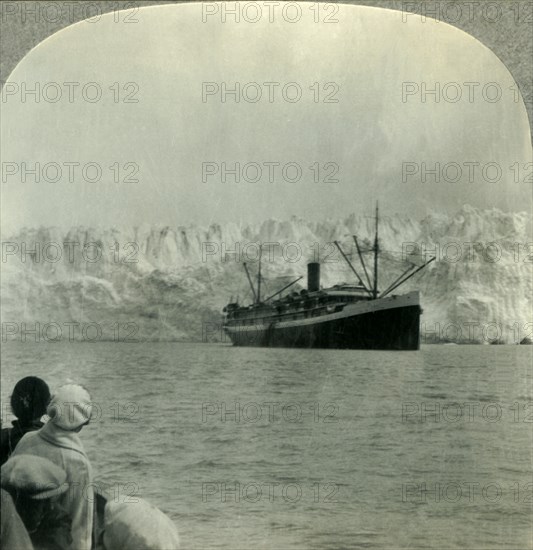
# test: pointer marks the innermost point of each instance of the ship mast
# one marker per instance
(336, 243)
(259, 276)
(361, 259)
(376, 251)
(250, 281)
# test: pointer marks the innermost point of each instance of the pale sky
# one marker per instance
(372, 133)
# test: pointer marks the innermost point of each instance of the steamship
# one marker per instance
(344, 316)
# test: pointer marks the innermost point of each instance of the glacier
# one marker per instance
(160, 283)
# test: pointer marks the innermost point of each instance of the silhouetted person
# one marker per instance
(28, 403)
(69, 410)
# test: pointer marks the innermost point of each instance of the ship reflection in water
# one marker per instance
(341, 317)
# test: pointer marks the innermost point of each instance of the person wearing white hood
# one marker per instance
(69, 410)
(137, 525)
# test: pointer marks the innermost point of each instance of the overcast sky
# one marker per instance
(375, 138)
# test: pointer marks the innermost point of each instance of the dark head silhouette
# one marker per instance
(30, 398)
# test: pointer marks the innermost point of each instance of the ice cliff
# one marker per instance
(171, 283)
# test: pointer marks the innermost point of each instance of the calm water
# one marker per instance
(348, 473)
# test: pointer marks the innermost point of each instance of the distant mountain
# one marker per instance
(171, 283)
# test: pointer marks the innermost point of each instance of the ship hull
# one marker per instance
(387, 324)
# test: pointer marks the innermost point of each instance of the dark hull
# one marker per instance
(389, 329)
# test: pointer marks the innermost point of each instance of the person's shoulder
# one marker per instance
(30, 436)
(28, 440)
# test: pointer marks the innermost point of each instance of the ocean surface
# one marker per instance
(307, 449)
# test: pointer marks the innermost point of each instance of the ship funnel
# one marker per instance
(313, 276)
